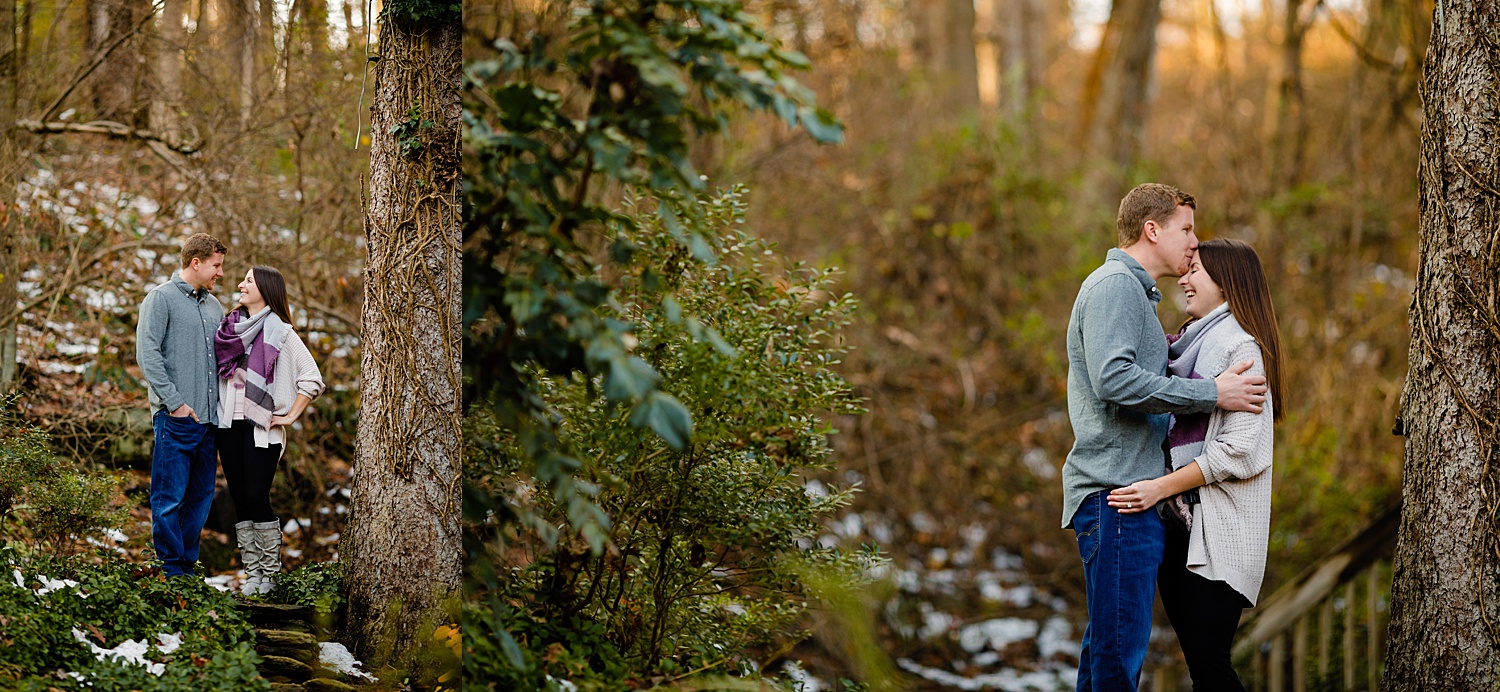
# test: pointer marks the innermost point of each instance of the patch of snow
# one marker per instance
(220, 582)
(996, 634)
(335, 657)
(1036, 460)
(168, 643)
(1008, 680)
(802, 681)
(50, 585)
(934, 622)
(128, 652)
(923, 522)
(1056, 638)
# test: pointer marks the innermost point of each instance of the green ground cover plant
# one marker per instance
(56, 605)
(44, 600)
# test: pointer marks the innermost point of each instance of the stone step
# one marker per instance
(326, 685)
(295, 645)
(283, 669)
(279, 616)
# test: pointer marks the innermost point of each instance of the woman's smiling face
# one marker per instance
(1203, 295)
(249, 293)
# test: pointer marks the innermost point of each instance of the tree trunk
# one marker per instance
(404, 527)
(1116, 91)
(1289, 138)
(113, 87)
(944, 40)
(1022, 31)
(10, 169)
(961, 62)
(1445, 610)
(166, 103)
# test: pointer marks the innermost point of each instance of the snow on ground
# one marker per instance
(1007, 680)
(132, 652)
(333, 656)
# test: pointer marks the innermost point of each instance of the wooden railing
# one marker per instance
(1325, 630)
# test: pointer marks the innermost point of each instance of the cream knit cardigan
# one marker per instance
(1232, 521)
(295, 373)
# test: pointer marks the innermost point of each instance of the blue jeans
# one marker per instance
(182, 489)
(1121, 555)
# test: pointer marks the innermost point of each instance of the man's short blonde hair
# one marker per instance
(200, 246)
(1148, 202)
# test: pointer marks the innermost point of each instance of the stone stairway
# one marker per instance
(286, 640)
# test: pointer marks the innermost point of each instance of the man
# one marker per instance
(1118, 401)
(174, 347)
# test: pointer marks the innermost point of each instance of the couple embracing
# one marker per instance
(225, 385)
(1168, 484)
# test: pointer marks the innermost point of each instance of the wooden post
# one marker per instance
(1299, 657)
(1325, 634)
(1372, 628)
(1278, 663)
(1349, 636)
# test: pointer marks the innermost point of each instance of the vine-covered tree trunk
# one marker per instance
(1445, 611)
(10, 169)
(403, 541)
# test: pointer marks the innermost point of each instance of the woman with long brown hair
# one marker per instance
(267, 377)
(1215, 495)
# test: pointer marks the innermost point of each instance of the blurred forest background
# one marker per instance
(987, 145)
(141, 123)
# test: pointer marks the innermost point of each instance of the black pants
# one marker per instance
(248, 470)
(1205, 615)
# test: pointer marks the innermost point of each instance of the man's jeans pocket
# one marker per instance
(1086, 528)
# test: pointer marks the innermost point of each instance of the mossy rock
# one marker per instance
(327, 685)
(286, 687)
(283, 669)
(288, 639)
(278, 616)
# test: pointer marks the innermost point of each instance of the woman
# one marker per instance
(1215, 553)
(267, 377)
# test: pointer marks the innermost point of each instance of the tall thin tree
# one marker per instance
(404, 524)
(10, 169)
(1445, 610)
(1115, 91)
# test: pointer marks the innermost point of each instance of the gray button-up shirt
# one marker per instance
(1118, 392)
(174, 345)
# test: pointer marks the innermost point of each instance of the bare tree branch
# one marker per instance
(111, 129)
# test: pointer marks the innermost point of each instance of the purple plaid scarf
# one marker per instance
(1189, 430)
(252, 344)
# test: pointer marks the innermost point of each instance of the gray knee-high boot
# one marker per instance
(244, 535)
(268, 547)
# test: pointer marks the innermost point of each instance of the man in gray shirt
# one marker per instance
(1119, 401)
(174, 347)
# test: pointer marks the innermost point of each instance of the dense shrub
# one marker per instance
(44, 499)
(706, 540)
(110, 602)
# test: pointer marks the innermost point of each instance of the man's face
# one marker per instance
(1175, 240)
(203, 273)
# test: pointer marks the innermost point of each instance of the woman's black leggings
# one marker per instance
(1205, 614)
(248, 470)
